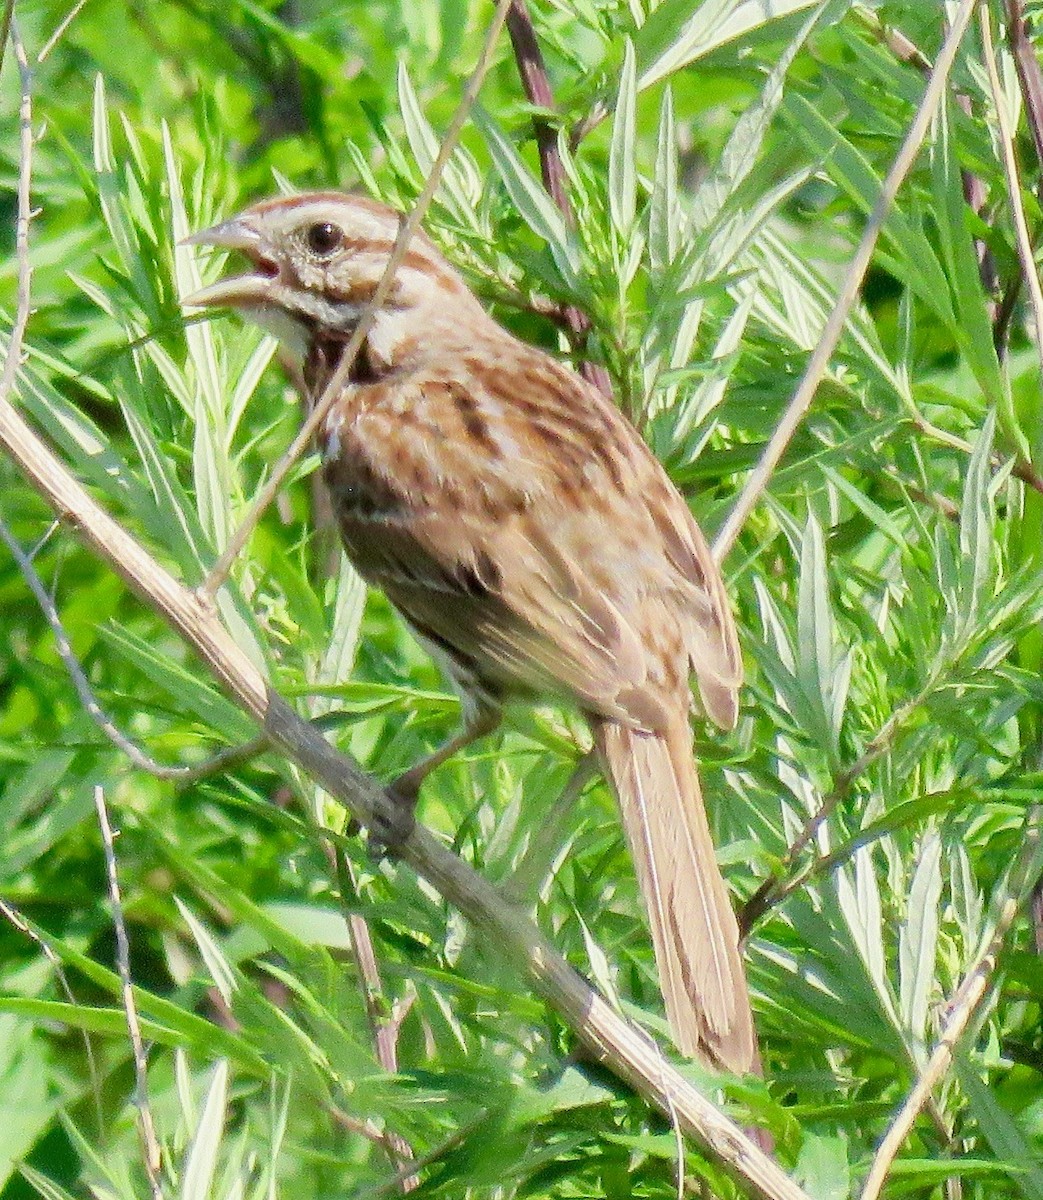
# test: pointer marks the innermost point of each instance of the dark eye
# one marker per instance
(323, 238)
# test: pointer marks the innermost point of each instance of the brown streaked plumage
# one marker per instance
(522, 527)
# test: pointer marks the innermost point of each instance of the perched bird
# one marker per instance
(527, 534)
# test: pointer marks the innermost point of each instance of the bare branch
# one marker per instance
(894, 39)
(364, 1127)
(219, 762)
(15, 919)
(973, 187)
(781, 884)
(827, 343)
(537, 87)
(411, 1169)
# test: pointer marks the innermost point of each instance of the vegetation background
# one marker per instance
(889, 588)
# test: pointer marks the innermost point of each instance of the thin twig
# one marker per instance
(149, 1143)
(1030, 80)
(63, 25)
(432, 1156)
(408, 227)
(15, 918)
(495, 291)
(598, 111)
(893, 38)
(827, 343)
(384, 1025)
(1037, 916)
(365, 1128)
(781, 884)
(23, 304)
(1020, 468)
(219, 762)
(536, 82)
(964, 1004)
(973, 188)
(976, 196)
(1008, 302)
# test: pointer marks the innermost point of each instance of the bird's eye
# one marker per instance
(323, 238)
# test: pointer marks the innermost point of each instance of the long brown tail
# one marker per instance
(694, 931)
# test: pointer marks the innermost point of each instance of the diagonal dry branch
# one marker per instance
(624, 1049)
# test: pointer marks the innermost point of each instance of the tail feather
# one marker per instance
(694, 930)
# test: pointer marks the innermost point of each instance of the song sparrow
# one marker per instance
(530, 538)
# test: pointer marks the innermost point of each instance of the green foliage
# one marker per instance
(889, 590)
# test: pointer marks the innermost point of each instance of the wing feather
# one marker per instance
(579, 572)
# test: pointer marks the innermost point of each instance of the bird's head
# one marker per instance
(317, 259)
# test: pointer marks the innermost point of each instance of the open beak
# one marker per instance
(238, 291)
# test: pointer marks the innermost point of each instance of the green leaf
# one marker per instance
(220, 970)
(1002, 1134)
(913, 260)
(746, 139)
(974, 322)
(192, 694)
(823, 682)
(246, 385)
(622, 166)
(879, 517)
(201, 1163)
(460, 186)
(28, 1100)
(822, 1168)
(675, 35)
(862, 912)
(977, 540)
(535, 207)
(664, 210)
(338, 661)
(918, 938)
(47, 1188)
(171, 1027)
